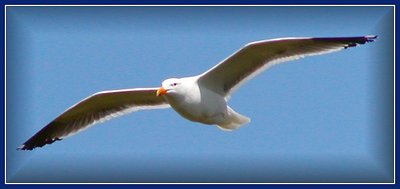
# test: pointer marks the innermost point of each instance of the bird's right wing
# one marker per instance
(257, 56)
(96, 108)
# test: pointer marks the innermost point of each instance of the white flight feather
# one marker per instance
(268, 64)
(110, 116)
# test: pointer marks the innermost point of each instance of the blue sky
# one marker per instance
(318, 119)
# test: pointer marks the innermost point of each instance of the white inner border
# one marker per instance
(143, 5)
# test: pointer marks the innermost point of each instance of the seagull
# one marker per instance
(201, 98)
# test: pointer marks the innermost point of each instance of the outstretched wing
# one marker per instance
(257, 56)
(96, 108)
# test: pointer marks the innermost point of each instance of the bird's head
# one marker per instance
(169, 86)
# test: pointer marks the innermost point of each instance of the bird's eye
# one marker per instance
(173, 84)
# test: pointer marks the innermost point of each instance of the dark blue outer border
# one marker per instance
(190, 2)
(204, 2)
(258, 186)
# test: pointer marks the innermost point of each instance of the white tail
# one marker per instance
(233, 121)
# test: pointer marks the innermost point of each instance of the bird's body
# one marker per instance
(201, 98)
(200, 104)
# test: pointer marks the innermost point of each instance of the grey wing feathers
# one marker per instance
(257, 56)
(96, 108)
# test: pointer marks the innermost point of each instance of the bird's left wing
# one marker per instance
(257, 56)
(96, 108)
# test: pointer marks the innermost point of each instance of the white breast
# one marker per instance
(198, 104)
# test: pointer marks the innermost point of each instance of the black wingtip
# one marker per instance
(22, 147)
(28, 146)
(25, 148)
(354, 41)
(370, 38)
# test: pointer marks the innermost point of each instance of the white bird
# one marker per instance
(201, 98)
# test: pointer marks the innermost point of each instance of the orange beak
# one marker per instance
(161, 91)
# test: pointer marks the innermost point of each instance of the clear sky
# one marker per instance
(325, 118)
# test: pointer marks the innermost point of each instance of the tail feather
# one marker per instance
(233, 121)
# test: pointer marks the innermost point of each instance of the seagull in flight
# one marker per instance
(201, 98)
